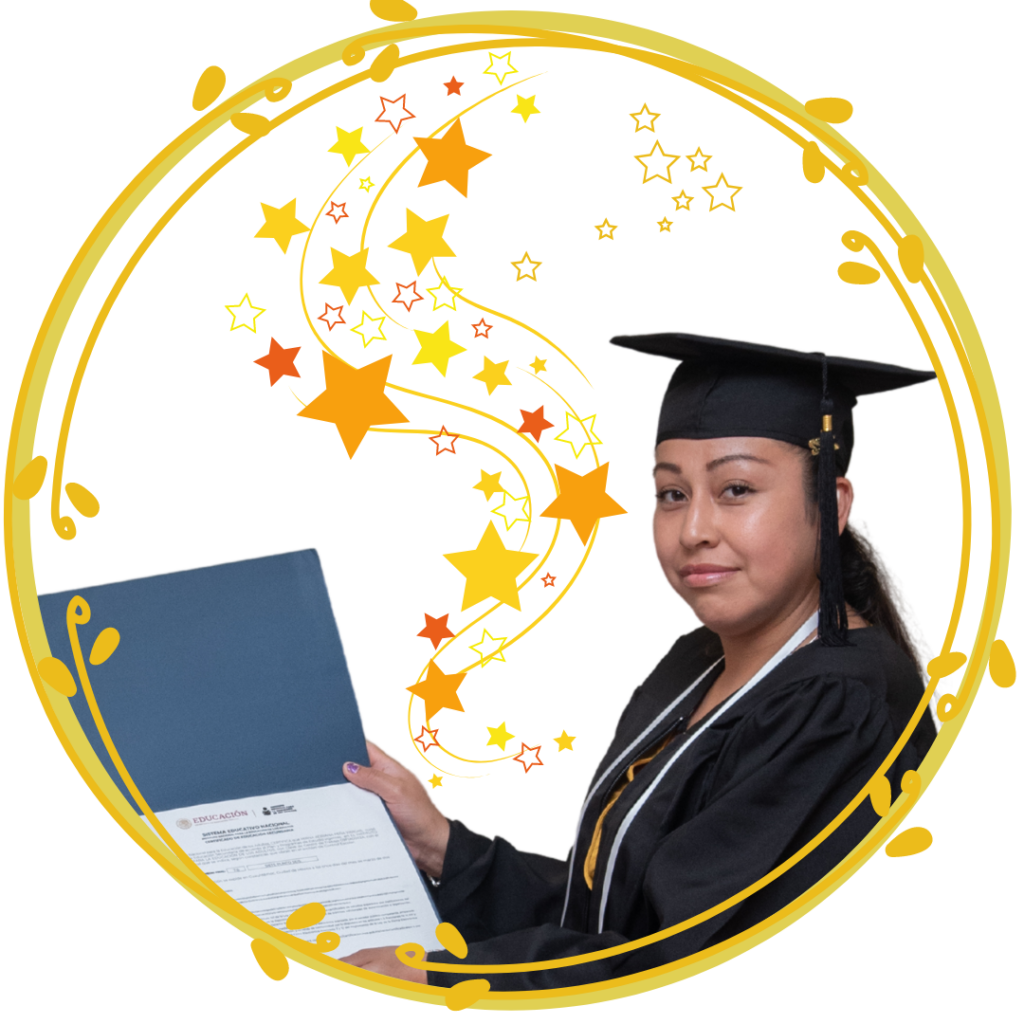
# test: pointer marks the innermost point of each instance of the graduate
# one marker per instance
(751, 734)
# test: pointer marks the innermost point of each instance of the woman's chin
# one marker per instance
(716, 612)
(714, 619)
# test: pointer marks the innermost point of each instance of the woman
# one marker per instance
(751, 735)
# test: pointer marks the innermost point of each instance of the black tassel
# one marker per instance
(832, 624)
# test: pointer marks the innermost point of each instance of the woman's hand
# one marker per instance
(423, 827)
(382, 960)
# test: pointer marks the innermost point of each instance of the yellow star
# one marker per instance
(533, 265)
(438, 691)
(280, 224)
(512, 510)
(493, 375)
(423, 239)
(644, 114)
(699, 158)
(578, 432)
(606, 230)
(444, 288)
(489, 484)
(244, 314)
(682, 200)
(492, 653)
(349, 144)
(365, 184)
(582, 500)
(490, 570)
(435, 781)
(660, 161)
(374, 338)
(445, 361)
(525, 107)
(721, 187)
(500, 67)
(664, 225)
(499, 736)
(564, 741)
(349, 273)
(538, 364)
(380, 332)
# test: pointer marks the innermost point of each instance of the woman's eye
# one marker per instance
(670, 496)
(737, 490)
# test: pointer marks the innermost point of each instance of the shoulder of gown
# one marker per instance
(875, 659)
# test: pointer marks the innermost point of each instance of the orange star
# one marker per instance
(435, 630)
(446, 162)
(438, 690)
(582, 500)
(533, 762)
(430, 740)
(445, 441)
(279, 361)
(548, 580)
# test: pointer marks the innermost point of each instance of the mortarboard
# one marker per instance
(727, 388)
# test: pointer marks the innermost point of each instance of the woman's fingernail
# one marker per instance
(351, 767)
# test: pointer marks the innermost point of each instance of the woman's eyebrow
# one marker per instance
(671, 467)
(715, 463)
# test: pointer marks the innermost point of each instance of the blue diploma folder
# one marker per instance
(228, 682)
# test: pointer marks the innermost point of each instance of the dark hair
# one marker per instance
(866, 585)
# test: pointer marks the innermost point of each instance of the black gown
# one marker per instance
(696, 827)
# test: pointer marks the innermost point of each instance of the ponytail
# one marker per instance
(869, 591)
(867, 587)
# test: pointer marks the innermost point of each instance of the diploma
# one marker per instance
(332, 845)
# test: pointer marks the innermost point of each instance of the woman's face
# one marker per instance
(732, 530)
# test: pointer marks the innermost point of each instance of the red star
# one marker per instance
(435, 630)
(534, 761)
(534, 423)
(444, 446)
(279, 361)
(428, 741)
(407, 288)
(454, 86)
(336, 216)
(498, 334)
(392, 114)
(549, 580)
(336, 326)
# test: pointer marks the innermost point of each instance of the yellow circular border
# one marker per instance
(968, 633)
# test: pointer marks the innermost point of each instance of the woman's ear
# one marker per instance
(844, 500)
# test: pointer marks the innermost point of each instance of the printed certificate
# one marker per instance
(333, 845)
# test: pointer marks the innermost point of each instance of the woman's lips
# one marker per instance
(705, 575)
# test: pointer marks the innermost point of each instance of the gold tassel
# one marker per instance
(815, 444)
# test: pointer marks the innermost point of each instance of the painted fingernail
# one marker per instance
(351, 767)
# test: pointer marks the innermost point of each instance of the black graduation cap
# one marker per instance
(727, 388)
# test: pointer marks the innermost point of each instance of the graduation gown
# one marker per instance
(716, 809)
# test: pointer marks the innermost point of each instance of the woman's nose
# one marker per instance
(697, 526)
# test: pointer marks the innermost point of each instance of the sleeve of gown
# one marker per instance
(488, 881)
(781, 775)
